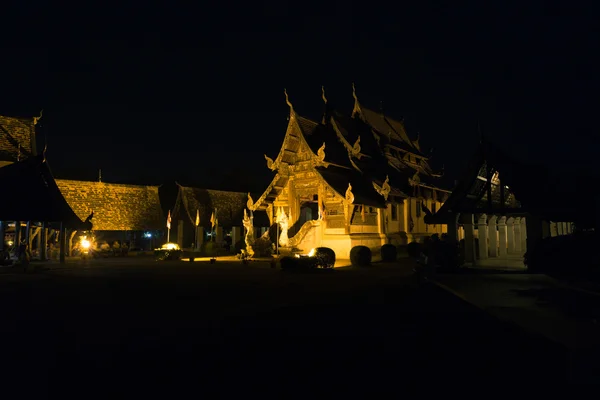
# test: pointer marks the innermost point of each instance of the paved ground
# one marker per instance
(137, 327)
(542, 306)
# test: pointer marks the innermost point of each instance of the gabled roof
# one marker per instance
(229, 205)
(116, 207)
(31, 194)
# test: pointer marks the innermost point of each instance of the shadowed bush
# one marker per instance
(414, 249)
(324, 257)
(360, 256)
(389, 253)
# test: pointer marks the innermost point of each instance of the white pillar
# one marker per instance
(493, 236)
(553, 229)
(469, 238)
(559, 228)
(236, 235)
(502, 237)
(510, 235)
(482, 233)
(517, 229)
(523, 235)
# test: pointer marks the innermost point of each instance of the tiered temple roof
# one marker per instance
(365, 148)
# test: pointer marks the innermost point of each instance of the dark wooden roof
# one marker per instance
(30, 193)
(527, 189)
(116, 207)
(362, 187)
(229, 205)
(316, 134)
(17, 138)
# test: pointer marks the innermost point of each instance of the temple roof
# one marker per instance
(116, 207)
(229, 205)
(316, 134)
(362, 187)
(527, 189)
(33, 195)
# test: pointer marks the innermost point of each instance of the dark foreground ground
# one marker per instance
(169, 328)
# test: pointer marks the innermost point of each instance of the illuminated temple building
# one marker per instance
(349, 180)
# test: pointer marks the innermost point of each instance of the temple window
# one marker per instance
(394, 212)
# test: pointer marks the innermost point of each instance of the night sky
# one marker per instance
(154, 94)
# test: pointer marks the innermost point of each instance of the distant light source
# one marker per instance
(311, 253)
(85, 244)
(170, 246)
(148, 235)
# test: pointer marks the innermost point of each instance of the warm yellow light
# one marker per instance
(170, 246)
(85, 244)
(311, 253)
(10, 243)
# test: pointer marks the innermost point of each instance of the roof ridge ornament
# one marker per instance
(354, 92)
(349, 195)
(250, 203)
(356, 148)
(323, 94)
(384, 189)
(270, 163)
(321, 153)
(415, 180)
(36, 119)
(287, 100)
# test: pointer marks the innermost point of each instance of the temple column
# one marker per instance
(523, 235)
(510, 235)
(219, 237)
(62, 243)
(559, 228)
(553, 229)
(482, 232)
(1, 235)
(236, 235)
(17, 233)
(517, 229)
(493, 236)
(38, 242)
(179, 233)
(70, 244)
(44, 244)
(453, 227)
(565, 229)
(200, 237)
(502, 237)
(469, 237)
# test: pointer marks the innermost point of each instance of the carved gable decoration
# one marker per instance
(270, 163)
(349, 195)
(384, 189)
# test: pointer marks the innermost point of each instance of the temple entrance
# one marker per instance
(309, 211)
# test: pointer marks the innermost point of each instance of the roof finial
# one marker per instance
(354, 92)
(44, 152)
(36, 119)
(287, 100)
(100, 175)
(323, 94)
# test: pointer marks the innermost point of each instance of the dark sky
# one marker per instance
(154, 93)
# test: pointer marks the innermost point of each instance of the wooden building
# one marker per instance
(501, 206)
(195, 202)
(349, 180)
(33, 212)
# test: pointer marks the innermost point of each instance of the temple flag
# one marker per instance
(212, 220)
(169, 220)
(197, 218)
